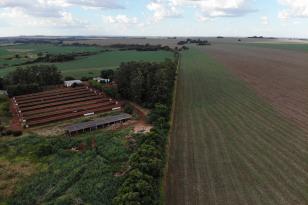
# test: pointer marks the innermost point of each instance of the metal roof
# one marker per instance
(98, 122)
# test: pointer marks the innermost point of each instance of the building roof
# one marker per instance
(101, 79)
(98, 122)
(71, 82)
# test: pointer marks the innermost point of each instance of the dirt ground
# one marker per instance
(280, 76)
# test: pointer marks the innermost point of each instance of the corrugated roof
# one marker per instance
(98, 122)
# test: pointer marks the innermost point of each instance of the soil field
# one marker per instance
(228, 145)
(280, 76)
(287, 46)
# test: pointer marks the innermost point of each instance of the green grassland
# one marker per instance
(287, 46)
(228, 145)
(109, 60)
(54, 174)
(50, 48)
(88, 66)
(4, 110)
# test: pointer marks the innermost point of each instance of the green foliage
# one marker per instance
(128, 108)
(44, 150)
(1, 84)
(146, 83)
(4, 106)
(32, 79)
(95, 84)
(136, 189)
(71, 177)
(107, 74)
(41, 74)
(111, 91)
(21, 89)
(141, 185)
(159, 111)
(69, 78)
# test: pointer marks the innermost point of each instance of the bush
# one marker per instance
(95, 84)
(67, 78)
(16, 133)
(110, 91)
(128, 109)
(85, 78)
(44, 150)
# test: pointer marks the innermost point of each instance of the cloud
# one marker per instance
(55, 8)
(107, 4)
(293, 8)
(264, 20)
(163, 9)
(207, 8)
(120, 19)
(17, 18)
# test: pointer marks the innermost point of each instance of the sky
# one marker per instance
(272, 18)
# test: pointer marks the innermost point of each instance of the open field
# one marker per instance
(280, 45)
(87, 66)
(92, 65)
(229, 146)
(280, 76)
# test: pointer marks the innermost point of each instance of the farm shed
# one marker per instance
(102, 80)
(71, 83)
(96, 124)
(3, 92)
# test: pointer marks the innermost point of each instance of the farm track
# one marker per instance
(229, 146)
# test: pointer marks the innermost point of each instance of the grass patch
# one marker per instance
(4, 110)
(66, 176)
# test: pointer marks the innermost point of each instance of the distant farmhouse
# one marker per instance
(102, 80)
(72, 83)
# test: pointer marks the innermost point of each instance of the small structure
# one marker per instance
(3, 92)
(72, 83)
(102, 80)
(96, 124)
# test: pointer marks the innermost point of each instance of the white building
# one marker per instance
(3, 92)
(102, 80)
(71, 83)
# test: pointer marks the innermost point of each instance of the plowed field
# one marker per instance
(229, 144)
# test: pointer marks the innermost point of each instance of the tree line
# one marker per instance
(146, 83)
(142, 183)
(139, 47)
(31, 79)
(197, 41)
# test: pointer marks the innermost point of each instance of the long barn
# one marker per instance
(96, 124)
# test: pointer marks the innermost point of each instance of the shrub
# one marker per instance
(69, 78)
(44, 150)
(128, 109)
(16, 133)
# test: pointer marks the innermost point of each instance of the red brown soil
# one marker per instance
(14, 123)
(280, 76)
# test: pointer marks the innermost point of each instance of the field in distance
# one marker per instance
(230, 146)
(82, 66)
